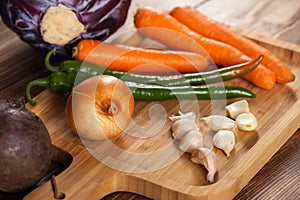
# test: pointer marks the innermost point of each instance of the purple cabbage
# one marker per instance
(100, 19)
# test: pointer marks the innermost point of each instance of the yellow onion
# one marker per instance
(100, 107)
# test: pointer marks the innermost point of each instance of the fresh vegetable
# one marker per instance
(70, 72)
(246, 121)
(199, 78)
(25, 150)
(164, 28)
(236, 108)
(159, 93)
(128, 58)
(206, 157)
(261, 77)
(58, 82)
(48, 24)
(191, 141)
(219, 122)
(61, 82)
(151, 18)
(100, 107)
(240, 112)
(210, 28)
(185, 129)
(182, 124)
(225, 140)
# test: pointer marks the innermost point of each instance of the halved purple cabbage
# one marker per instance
(100, 18)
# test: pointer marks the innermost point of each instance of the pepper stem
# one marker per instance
(43, 82)
(48, 64)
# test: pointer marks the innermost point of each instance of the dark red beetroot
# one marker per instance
(25, 147)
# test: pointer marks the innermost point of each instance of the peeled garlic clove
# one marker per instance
(191, 141)
(207, 158)
(225, 140)
(237, 108)
(219, 122)
(246, 122)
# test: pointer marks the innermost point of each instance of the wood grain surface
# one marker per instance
(87, 178)
(279, 178)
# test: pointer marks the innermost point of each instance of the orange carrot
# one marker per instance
(262, 77)
(210, 28)
(126, 58)
(153, 23)
(166, 29)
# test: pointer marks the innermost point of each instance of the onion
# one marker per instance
(100, 107)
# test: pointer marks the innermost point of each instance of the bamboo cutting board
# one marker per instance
(88, 177)
(146, 159)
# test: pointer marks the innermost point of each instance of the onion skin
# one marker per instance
(100, 18)
(100, 108)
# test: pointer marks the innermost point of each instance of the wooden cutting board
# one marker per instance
(96, 171)
(146, 160)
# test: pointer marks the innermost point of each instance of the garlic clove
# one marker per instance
(189, 115)
(237, 108)
(246, 122)
(198, 154)
(181, 127)
(219, 122)
(183, 123)
(225, 140)
(191, 141)
(207, 158)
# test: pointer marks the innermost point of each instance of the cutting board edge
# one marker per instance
(229, 185)
(282, 49)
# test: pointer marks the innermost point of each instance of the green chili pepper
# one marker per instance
(57, 82)
(151, 88)
(63, 82)
(213, 76)
(157, 93)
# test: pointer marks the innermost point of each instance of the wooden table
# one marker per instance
(280, 177)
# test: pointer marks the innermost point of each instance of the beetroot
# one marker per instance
(25, 147)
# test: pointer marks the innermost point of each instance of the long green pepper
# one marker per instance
(145, 87)
(199, 78)
(159, 93)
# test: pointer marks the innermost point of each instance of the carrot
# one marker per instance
(125, 58)
(261, 77)
(166, 29)
(152, 22)
(210, 28)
